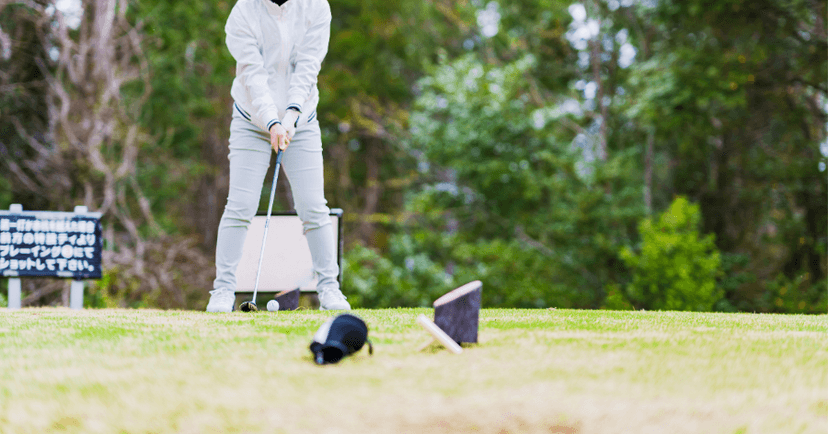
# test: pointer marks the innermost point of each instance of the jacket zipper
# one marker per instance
(285, 55)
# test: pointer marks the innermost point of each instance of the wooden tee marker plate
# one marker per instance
(438, 334)
(288, 300)
(456, 316)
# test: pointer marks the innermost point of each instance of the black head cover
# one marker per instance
(339, 337)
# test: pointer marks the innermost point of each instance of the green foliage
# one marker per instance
(798, 295)
(675, 268)
(462, 156)
(734, 93)
(23, 109)
(374, 281)
(119, 289)
(106, 293)
(616, 300)
(187, 112)
(736, 274)
(377, 51)
(5, 193)
(504, 197)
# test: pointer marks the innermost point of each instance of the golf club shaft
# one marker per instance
(267, 221)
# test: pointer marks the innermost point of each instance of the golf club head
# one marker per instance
(248, 306)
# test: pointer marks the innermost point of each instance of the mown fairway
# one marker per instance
(545, 371)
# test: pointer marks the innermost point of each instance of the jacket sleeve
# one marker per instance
(310, 52)
(243, 46)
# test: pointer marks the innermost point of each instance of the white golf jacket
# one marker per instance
(279, 52)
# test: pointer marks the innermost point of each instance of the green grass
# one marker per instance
(545, 371)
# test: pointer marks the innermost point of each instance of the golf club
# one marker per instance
(250, 306)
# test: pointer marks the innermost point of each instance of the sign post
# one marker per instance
(50, 244)
(14, 282)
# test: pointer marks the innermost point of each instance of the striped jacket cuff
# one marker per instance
(272, 123)
(295, 106)
(241, 111)
(296, 99)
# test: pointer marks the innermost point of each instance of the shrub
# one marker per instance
(371, 280)
(675, 268)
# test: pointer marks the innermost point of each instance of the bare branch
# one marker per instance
(537, 245)
(5, 44)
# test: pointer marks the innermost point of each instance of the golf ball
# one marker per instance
(272, 305)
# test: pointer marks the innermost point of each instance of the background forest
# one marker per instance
(621, 154)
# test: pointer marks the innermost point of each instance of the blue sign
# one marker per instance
(50, 244)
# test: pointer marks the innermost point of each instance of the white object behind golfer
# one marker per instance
(287, 264)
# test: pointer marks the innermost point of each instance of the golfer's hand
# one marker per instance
(289, 122)
(279, 138)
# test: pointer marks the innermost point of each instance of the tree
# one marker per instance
(378, 50)
(187, 112)
(735, 92)
(23, 104)
(89, 151)
(676, 268)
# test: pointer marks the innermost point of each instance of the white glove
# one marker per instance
(279, 138)
(289, 122)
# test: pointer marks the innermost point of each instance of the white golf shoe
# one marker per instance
(332, 299)
(221, 300)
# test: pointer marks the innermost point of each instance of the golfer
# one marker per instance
(279, 46)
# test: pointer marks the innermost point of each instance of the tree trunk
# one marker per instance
(648, 173)
(373, 190)
(595, 57)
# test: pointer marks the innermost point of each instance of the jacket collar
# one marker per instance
(275, 9)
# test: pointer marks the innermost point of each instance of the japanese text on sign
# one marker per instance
(49, 247)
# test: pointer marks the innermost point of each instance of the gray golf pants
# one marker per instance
(250, 153)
